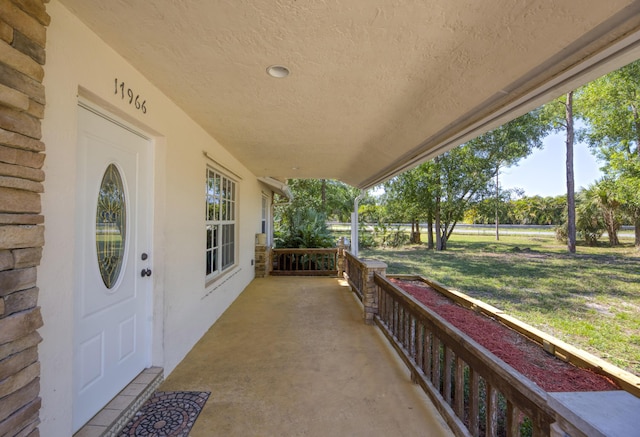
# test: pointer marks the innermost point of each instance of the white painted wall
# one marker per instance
(183, 309)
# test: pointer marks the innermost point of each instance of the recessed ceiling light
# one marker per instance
(278, 71)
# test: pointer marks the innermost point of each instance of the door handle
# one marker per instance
(145, 272)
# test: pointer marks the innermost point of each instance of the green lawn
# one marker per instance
(590, 299)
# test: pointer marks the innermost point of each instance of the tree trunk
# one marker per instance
(439, 243)
(437, 225)
(415, 235)
(637, 230)
(323, 193)
(443, 239)
(497, 203)
(430, 231)
(612, 230)
(571, 202)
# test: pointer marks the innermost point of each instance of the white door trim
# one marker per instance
(143, 233)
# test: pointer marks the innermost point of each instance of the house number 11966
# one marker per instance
(128, 94)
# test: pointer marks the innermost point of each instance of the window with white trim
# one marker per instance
(220, 223)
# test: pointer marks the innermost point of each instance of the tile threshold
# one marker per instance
(109, 421)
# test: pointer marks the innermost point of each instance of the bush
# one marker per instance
(366, 239)
(562, 232)
(589, 222)
(306, 228)
(388, 236)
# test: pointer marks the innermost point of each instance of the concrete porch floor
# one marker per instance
(293, 357)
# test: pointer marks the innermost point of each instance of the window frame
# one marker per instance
(221, 223)
(265, 220)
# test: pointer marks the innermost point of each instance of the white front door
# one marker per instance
(112, 262)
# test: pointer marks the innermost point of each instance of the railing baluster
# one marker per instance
(408, 336)
(538, 431)
(428, 353)
(491, 406)
(419, 360)
(400, 330)
(437, 365)
(474, 398)
(513, 420)
(387, 304)
(446, 383)
(405, 327)
(396, 309)
(406, 316)
(412, 336)
(458, 406)
(386, 307)
(417, 329)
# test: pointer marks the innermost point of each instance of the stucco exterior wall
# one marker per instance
(78, 62)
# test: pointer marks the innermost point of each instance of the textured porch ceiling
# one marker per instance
(376, 86)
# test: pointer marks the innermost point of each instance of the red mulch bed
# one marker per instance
(527, 357)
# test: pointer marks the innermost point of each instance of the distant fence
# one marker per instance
(464, 228)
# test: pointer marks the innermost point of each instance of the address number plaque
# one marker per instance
(127, 94)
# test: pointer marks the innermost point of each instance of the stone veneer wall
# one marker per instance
(263, 260)
(22, 57)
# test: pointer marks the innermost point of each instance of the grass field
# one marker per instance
(590, 299)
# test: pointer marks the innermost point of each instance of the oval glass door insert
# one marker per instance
(111, 222)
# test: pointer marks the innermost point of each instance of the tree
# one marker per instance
(332, 198)
(314, 202)
(409, 197)
(464, 174)
(484, 211)
(611, 110)
(443, 189)
(537, 210)
(508, 144)
(603, 196)
(559, 112)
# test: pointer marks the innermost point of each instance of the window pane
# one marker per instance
(216, 198)
(232, 246)
(208, 262)
(228, 246)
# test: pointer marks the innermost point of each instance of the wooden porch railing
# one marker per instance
(305, 262)
(476, 392)
(356, 274)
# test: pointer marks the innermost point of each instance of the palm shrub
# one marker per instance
(562, 231)
(590, 223)
(303, 228)
(590, 219)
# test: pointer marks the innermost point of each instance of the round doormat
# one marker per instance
(167, 414)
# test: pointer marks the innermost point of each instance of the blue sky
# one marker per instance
(543, 172)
